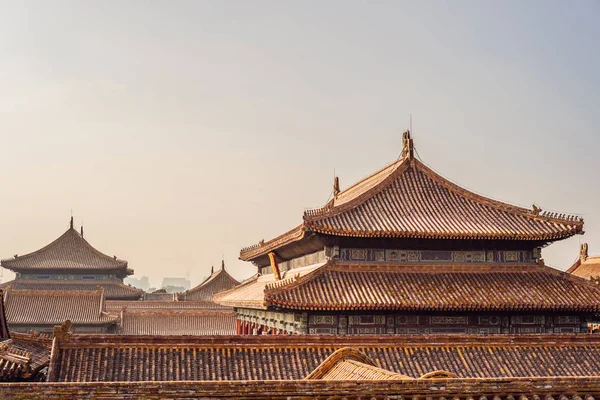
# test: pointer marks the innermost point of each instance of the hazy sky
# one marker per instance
(181, 131)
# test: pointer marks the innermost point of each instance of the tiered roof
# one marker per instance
(406, 199)
(218, 281)
(586, 267)
(35, 307)
(112, 290)
(70, 252)
(340, 286)
(231, 358)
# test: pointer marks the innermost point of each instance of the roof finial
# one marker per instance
(336, 186)
(407, 145)
(223, 265)
(81, 230)
(212, 269)
(71, 220)
(583, 252)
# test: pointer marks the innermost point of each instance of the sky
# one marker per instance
(179, 132)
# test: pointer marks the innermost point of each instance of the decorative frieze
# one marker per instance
(61, 277)
(441, 324)
(435, 256)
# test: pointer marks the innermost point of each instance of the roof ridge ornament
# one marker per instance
(583, 252)
(71, 223)
(407, 145)
(336, 187)
(63, 332)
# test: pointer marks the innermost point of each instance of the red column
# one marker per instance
(238, 327)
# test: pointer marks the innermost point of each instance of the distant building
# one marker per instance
(172, 284)
(141, 283)
(215, 283)
(70, 263)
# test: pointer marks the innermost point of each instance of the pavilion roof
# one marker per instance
(112, 289)
(406, 199)
(218, 281)
(292, 357)
(341, 286)
(586, 267)
(36, 307)
(69, 252)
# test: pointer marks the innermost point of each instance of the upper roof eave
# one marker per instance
(540, 226)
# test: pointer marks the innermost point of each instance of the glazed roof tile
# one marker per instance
(339, 286)
(69, 252)
(406, 199)
(228, 358)
(177, 322)
(32, 307)
(217, 282)
(112, 289)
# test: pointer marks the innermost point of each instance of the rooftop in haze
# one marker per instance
(70, 252)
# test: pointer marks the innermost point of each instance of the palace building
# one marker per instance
(70, 263)
(406, 251)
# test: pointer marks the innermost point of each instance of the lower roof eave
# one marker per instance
(412, 308)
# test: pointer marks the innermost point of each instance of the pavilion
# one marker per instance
(406, 251)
